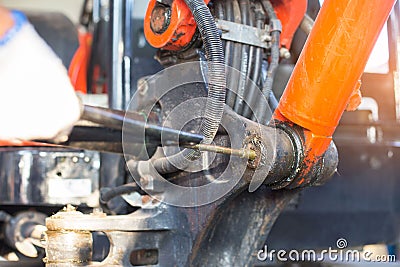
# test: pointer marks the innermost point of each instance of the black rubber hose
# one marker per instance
(244, 6)
(221, 13)
(216, 89)
(229, 45)
(219, 10)
(174, 162)
(229, 52)
(275, 43)
(252, 49)
(106, 194)
(251, 92)
(236, 57)
(225, 14)
(254, 68)
(272, 101)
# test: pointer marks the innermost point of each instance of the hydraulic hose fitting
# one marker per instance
(169, 25)
(160, 18)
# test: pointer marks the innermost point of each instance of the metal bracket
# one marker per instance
(244, 34)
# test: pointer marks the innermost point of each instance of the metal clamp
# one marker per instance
(244, 34)
(275, 25)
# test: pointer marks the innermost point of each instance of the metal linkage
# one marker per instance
(145, 237)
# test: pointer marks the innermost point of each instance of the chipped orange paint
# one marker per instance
(355, 98)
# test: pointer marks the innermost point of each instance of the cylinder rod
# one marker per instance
(332, 62)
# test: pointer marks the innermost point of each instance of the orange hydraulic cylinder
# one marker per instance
(327, 73)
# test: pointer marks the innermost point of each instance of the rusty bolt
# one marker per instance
(160, 18)
(253, 142)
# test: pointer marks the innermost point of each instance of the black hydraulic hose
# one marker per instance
(272, 101)
(244, 6)
(219, 11)
(229, 50)
(275, 43)
(250, 95)
(216, 89)
(237, 55)
(106, 194)
(251, 92)
(269, 9)
(252, 48)
(225, 14)
(254, 68)
(229, 45)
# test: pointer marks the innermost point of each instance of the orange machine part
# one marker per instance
(23, 143)
(290, 13)
(328, 70)
(180, 30)
(78, 68)
(331, 63)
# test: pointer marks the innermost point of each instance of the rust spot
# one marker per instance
(253, 142)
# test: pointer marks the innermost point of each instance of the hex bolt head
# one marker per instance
(284, 53)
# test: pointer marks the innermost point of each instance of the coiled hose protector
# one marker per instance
(216, 88)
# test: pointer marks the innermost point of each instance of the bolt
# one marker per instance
(266, 38)
(253, 142)
(284, 53)
(160, 18)
(242, 153)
